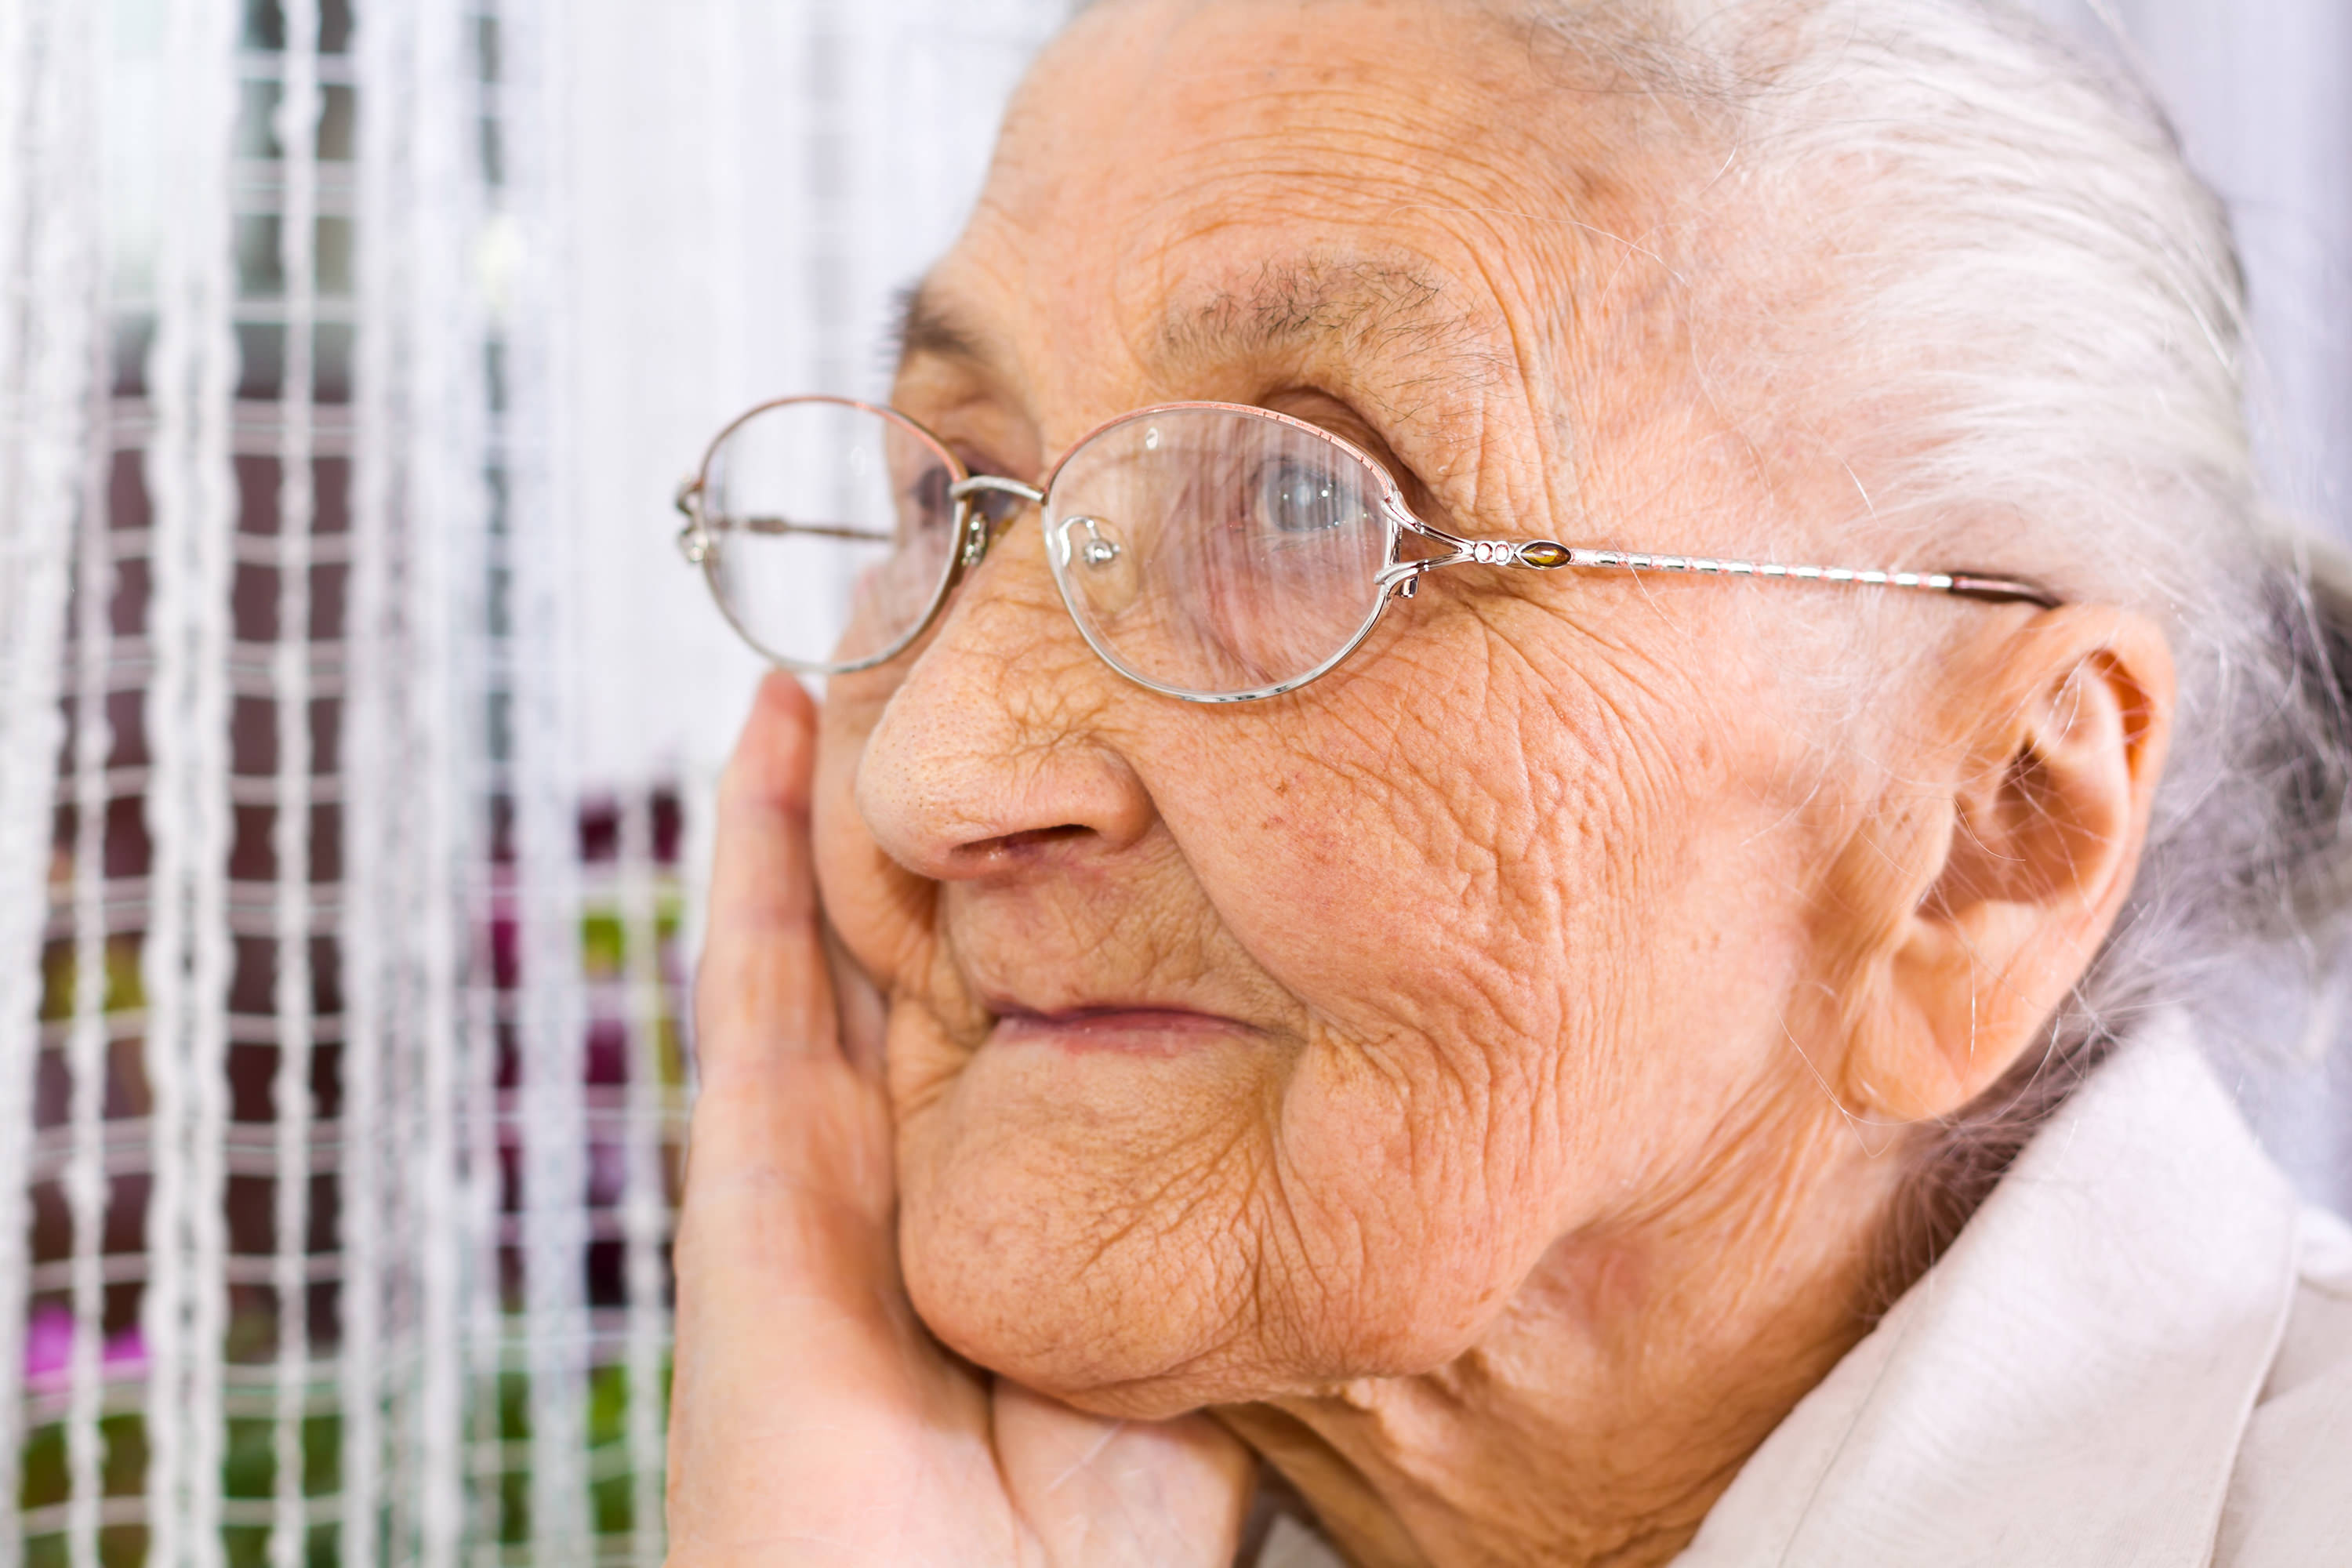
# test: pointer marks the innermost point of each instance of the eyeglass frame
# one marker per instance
(975, 533)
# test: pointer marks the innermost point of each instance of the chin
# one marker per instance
(1071, 1267)
(1112, 1334)
(1089, 1226)
(1122, 1297)
(1102, 1223)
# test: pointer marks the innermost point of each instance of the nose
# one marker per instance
(992, 754)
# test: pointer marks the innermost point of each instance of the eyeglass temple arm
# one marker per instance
(1965, 585)
(1550, 555)
(694, 538)
(779, 525)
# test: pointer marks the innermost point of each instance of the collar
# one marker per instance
(2070, 1382)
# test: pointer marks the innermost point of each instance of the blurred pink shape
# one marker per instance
(48, 1345)
(48, 1349)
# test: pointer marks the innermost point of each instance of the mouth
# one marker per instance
(1131, 1029)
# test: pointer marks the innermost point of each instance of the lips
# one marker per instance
(1140, 1030)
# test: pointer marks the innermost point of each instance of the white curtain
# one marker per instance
(357, 716)
(341, 896)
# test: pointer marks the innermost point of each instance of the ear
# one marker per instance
(2006, 877)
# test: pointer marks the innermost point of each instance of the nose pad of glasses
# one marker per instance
(1101, 568)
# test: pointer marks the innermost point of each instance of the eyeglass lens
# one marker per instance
(829, 530)
(1209, 551)
(1214, 551)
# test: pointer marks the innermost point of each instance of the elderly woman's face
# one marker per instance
(1241, 1050)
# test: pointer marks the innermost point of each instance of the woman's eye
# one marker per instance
(1301, 498)
(927, 504)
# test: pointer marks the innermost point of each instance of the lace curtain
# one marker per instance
(356, 714)
(341, 944)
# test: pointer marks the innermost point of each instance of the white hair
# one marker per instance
(2006, 259)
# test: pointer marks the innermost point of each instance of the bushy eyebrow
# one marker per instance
(927, 326)
(1355, 304)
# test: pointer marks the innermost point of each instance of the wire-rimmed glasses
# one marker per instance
(1212, 552)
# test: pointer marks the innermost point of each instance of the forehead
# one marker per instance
(1181, 182)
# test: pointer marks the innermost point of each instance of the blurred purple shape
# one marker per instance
(126, 1352)
(48, 1345)
(48, 1348)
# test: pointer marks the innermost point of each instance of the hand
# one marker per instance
(813, 1418)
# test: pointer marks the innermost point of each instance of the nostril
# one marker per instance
(1027, 838)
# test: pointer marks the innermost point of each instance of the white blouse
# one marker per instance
(2137, 1351)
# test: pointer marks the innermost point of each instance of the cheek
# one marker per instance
(1455, 901)
(1412, 1209)
(882, 914)
(1443, 942)
(1536, 944)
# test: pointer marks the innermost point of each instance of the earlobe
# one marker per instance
(2052, 768)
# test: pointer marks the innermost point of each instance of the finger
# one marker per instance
(763, 991)
(801, 1391)
(777, 1102)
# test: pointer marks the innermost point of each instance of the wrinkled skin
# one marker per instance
(1473, 1078)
